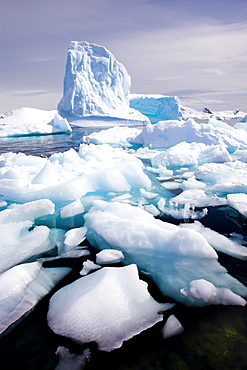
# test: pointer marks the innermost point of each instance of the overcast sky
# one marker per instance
(195, 49)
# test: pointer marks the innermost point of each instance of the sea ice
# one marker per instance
(108, 306)
(206, 291)
(221, 243)
(191, 154)
(22, 287)
(172, 327)
(170, 254)
(114, 136)
(96, 84)
(20, 238)
(238, 201)
(166, 134)
(31, 121)
(109, 256)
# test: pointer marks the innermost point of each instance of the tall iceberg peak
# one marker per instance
(96, 84)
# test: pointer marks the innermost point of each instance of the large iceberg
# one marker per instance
(96, 84)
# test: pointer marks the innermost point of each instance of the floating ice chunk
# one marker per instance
(166, 134)
(73, 361)
(109, 306)
(185, 211)
(198, 198)
(156, 107)
(171, 256)
(220, 242)
(148, 194)
(22, 287)
(172, 327)
(191, 154)
(115, 135)
(192, 183)
(109, 256)
(88, 266)
(74, 237)
(21, 241)
(96, 84)
(150, 208)
(27, 211)
(46, 175)
(72, 209)
(238, 202)
(31, 121)
(207, 292)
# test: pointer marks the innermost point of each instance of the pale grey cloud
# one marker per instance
(165, 45)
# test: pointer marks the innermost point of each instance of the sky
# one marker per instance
(194, 49)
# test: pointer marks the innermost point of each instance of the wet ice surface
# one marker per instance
(145, 198)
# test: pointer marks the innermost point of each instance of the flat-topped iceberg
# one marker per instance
(156, 107)
(96, 84)
(31, 121)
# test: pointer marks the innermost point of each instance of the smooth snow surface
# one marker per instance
(96, 84)
(109, 306)
(31, 121)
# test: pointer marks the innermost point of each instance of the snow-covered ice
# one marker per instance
(32, 121)
(206, 291)
(22, 287)
(108, 306)
(170, 254)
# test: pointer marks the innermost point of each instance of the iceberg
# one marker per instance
(171, 255)
(96, 84)
(157, 107)
(32, 121)
(108, 306)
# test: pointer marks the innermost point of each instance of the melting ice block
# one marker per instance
(96, 84)
(108, 306)
(20, 239)
(172, 327)
(22, 287)
(204, 290)
(170, 254)
(31, 121)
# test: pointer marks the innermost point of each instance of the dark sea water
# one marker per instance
(215, 337)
